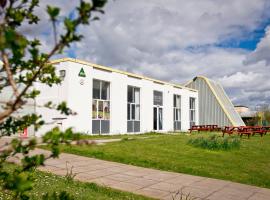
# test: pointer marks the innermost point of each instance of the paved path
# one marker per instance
(149, 182)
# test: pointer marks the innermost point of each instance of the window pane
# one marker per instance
(100, 109)
(192, 115)
(96, 89)
(137, 112)
(192, 103)
(128, 111)
(155, 118)
(94, 109)
(132, 111)
(158, 98)
(137, 95)
(174, 100)
(106, 110)
(178, 101)
(105, 91)
(178, 114)
(130, 94)
(160, 119)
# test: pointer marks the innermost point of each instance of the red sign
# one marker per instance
(24, 133)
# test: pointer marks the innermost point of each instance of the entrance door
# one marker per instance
(158, 110)
(158, 118)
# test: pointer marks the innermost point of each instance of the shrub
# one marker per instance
(216, 142)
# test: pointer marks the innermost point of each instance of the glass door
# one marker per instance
(158, 111)
(158, 118)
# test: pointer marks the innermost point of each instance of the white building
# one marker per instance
(110, 101)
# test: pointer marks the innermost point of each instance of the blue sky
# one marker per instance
(249, 40)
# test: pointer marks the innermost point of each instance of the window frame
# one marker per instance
(133, 107)
(192, 111)
(159, 109)
(100, 100)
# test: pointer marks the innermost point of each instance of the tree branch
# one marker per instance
(18, 101)
(9, 74)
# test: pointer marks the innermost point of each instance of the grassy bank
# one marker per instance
(249, 164)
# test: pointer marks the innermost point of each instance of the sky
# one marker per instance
(176, 40)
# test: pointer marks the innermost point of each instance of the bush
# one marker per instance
(216, 142)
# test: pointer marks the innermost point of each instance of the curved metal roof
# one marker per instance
(222, 99)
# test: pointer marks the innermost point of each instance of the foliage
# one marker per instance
(55, 196)
(254, 121)
(47, 183)
(70, 175)
(216, 142)
(24, 64)
(20, 180)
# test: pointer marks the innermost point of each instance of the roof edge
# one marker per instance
(119, 71)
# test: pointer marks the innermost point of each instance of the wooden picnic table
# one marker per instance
(267, 128)
(244, 130)
(204, 128)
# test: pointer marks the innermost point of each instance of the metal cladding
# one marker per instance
(215, 106)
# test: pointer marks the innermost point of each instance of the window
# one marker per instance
(192, 111)
(62, 74)
(177, 112)
(101, 107)
(133, 109)
(158, 110)
(158, 98)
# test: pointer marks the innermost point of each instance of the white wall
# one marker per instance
(78, 95)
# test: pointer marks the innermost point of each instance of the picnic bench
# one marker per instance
(229, 130)
(266, 128)
(204, 128)
(244, 130)
(259, 130)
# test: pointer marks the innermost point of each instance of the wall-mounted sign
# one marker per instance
(82, 73)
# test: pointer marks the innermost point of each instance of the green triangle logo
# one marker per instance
(82, 73)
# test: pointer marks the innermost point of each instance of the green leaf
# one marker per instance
(53, 12)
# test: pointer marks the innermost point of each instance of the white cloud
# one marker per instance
(175, 40)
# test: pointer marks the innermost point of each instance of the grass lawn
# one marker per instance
(47, 182)
(250, 164)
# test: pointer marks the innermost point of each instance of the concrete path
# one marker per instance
(149, 182)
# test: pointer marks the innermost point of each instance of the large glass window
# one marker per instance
(158, 110)
(192, 111)
(177, 112)
(158, 98)
(133, 109)
(101, 107)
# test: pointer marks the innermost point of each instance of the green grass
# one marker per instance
(47, 182)
(250, 164)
